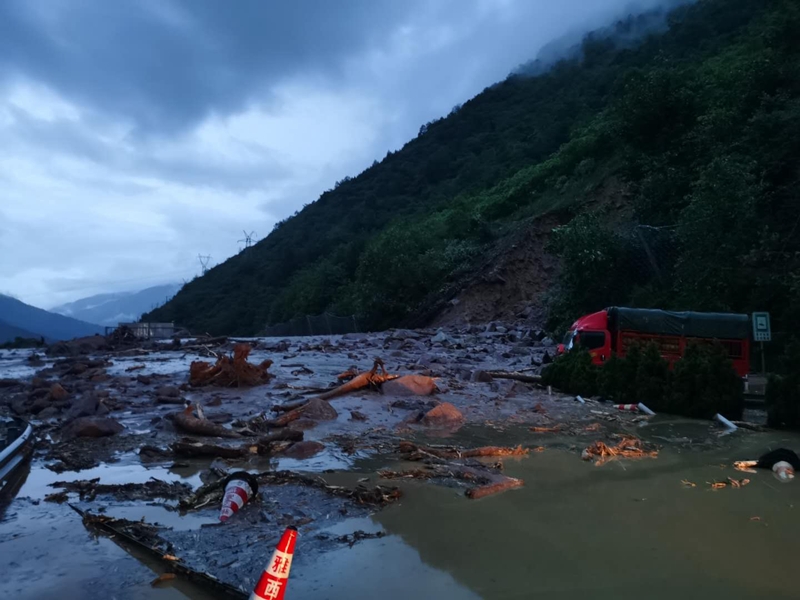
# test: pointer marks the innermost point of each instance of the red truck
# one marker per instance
(612, 331)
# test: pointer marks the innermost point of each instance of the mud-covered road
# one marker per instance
(630, 527)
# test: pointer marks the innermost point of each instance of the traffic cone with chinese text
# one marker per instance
(239, 488)
(272, 585)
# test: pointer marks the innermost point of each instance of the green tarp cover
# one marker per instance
(689, 324)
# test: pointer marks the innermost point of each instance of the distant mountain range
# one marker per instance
(18, 319)
(119, 307)
(9, 332)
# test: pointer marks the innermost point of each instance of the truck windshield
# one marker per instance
(568, 340)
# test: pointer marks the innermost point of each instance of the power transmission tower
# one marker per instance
(204, 260)
(248, 239)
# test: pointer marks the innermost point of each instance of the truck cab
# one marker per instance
(590, 332)
(613, 330)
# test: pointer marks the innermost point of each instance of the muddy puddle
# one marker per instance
(629, 528)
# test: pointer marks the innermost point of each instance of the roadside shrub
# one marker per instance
(704, 383)
(641, 376)
(783, 391)
(573, 373)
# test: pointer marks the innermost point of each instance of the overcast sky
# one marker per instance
(136, 134)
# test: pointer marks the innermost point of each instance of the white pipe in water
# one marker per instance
(645, 410)
(725, 422)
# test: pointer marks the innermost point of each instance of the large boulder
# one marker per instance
(444, 415)
(410, 385)
(319, 410)
(91, 427)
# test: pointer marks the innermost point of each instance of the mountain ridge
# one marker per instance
(693, 122)
(38, 322)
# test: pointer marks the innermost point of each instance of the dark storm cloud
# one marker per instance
(137, 134)
(167, 63)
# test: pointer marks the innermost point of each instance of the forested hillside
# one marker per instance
(699, 123)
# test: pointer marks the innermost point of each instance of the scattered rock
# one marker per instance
(92, 427)
(144, 379)
(410, 385)
(77, 369)
(319, 410)
(57, 392)
(48, 413)
(6, 383)
(440, 338)
(481, 377)
(548, 341)
(85, 406)
(303, 450)
(168, 391)
(444, 415)
(39, 405)
(357, 416)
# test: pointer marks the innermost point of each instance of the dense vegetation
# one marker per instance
(702, 383)
(20, 342)
(698, 124)
(783, 390)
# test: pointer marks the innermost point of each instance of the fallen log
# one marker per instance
(194, 449)
(186, 421)
(154, 488)
(487, 483)
(449, 452)
(372, 378)
(508, 483)
(169, 400)
(289, 406)
(263, 445)
(516, 376)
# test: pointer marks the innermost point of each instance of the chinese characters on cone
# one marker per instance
(272, 585)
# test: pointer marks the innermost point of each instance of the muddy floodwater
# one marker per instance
(629, 528)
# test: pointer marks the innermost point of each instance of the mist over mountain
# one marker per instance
(118, 307)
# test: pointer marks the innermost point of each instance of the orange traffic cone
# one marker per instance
(239, 488)
(272, 585)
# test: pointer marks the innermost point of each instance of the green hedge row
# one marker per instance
(701, 384)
